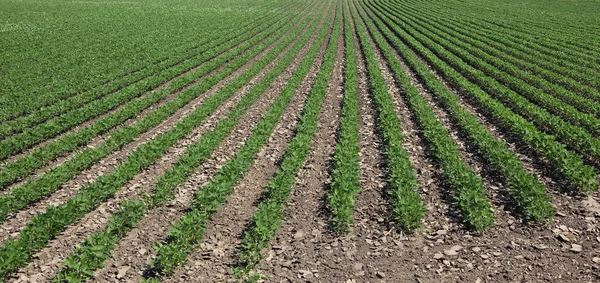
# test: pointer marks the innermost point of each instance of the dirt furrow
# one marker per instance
(368, 253)
(537, 252)
(99, 139)
(510, 251)
(212, 263)
(292, 251)
(492, 182)
(99, 117)
(49, 258)
(13, 225)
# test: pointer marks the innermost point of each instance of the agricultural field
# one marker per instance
(299, 141)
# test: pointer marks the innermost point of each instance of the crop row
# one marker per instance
(512, 76)
(73, 73)
(49, 182)
(32, 136)
(43, 227)
(407, 205)
(547, 44)
(567, 163)
(540, 27)
(23, 166)
(571, 135)
(185, 233)
(344, 187)
(78, 263)
(267, 218)
(467, 186)
(191, 57)
(519, 46)
(505, 64)
(551, 69)
(530, 194)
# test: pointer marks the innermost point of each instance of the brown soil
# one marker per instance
(304, 249)
(48, 258)
(95, 142)
(295, 247)
(13, 225)
(156, 223)
(212, 263)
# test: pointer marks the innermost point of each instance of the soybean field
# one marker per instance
(299, 141)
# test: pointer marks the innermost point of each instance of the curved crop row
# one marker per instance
(549, 68)
(43, 227)
(530, 194)
(570, 165)
(566, 132)
(486, 63)
(516, 47)
(185, 233)
(23, 166)
(544, 44)
(468, 189)
(505, 64)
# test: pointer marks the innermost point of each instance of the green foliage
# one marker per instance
(209, 61)
(49, 182)
(57, 50)
(567, 163)
(341, 198)
(43, 227)
(267, 218)
(408, 208)
(529, 193)
(468, 190)
(188, 231)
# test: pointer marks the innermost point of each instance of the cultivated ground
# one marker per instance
(300, 141)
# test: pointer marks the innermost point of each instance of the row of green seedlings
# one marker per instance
(506, 64)
(408, 208)
(42, 98)
(96, 248)
(528, 192)
(569, 165)
(534, 25)
(345, 176)
(574, 136)
(547, 45)
(515, 79)
(562, 37)
(17, 143)
(519, 48)
(538, 26)
(22, 167)
(550, 69)
(566, 44)
(43, 114)
(583, 47)
(267, 218)
(16, 252)
(184, 235)
(51, 181)
(468, 191)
